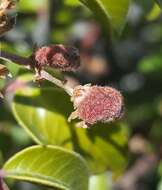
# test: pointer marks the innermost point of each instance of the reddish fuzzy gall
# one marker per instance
(96, 104)
(64, 58)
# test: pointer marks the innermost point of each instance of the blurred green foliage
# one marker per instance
(133, 65)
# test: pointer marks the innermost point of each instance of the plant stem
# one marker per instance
(27, 62)
(59, 83)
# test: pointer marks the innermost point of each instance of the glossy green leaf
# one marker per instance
(50, 166)
(109, 12)
(44, 113)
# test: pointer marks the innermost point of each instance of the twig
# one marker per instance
(47, 76)
(27, 62)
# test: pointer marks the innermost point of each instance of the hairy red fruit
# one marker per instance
(64, 58)
(97, 104)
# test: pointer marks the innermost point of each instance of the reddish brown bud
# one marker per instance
(97, 104)
(60, 57)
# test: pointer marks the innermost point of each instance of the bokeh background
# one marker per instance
(132, 64)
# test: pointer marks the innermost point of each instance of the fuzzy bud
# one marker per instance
(64, 58)
(96, 104)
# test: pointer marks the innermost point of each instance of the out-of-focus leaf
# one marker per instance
(45, 119)
(109, 12)
(64, 16)
(13, 68)
(151, 64)
(159, 185)
(73, 3)
(27, 77)
(50, 166)
(154, 13)
(31, 5)
(58, 35)
(156, 133)
(19, 136)
(100, 182)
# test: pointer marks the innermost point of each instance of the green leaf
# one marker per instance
(100, 182)
(32, 6)
(154, 13)
(50, 166)
(109, 12)
(72, 3)
(104, 146)
(43, 113)
(151, 64)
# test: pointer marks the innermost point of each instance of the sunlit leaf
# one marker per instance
(50, 166)
(31, 6)
(45, 117)
(100, 182)
(154, 13)
(73, 3)
(109, 12)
